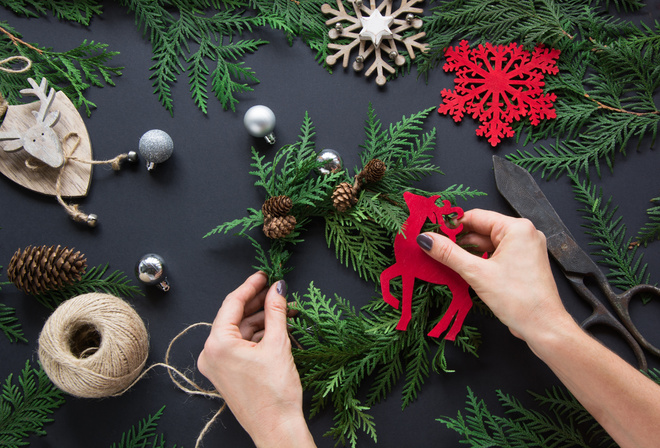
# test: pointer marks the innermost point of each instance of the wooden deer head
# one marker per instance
(40, 141)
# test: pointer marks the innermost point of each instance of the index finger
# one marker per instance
(233, 307)
(487, 223)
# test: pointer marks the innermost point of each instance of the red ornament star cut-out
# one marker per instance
(498, 85)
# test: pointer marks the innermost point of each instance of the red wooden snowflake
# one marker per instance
(498, 85)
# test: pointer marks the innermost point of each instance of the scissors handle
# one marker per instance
(621, 303)
(602, 316)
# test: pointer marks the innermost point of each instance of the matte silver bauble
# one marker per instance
(150, 270)
(155, 146)
(260, 122)
(332, 159)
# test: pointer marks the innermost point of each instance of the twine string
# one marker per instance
(4, 64)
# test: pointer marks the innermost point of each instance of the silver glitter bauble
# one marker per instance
(332, 159)
(260, 122)
(155, 146)
(151, 271)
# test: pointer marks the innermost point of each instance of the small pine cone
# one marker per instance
(279, 226)
(277, 206)
(39, 269)
(373, 171)
(344, 197)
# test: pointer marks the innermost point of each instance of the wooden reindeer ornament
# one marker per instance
(413, 263)
(45, 147)
(39, 140)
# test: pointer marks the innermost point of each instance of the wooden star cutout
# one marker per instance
(375, 27)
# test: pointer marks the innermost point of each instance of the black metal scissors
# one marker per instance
(521, 191)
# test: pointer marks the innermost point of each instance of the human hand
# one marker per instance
(248, 359)
(516, 281)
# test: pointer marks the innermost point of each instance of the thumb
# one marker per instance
(275, 311)
(447, 252)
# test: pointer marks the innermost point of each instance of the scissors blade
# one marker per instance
(523, 194)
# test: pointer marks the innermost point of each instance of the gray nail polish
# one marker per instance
(425, 241)
(281, 288)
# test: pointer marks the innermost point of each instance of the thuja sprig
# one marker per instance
(72, 71)
(651, 230)
(9, 323)
(27, 407)
(609, 232)
(346, 355)
(558, 420)
(94, 280)
(144, 434)
(80, 11)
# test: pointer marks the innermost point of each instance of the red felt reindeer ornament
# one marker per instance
(413, 263)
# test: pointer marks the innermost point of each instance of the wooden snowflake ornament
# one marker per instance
(374, 30)
(498, 85)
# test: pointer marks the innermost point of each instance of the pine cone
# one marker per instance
(40, 269)
(277, 206)
(344, 197)
(279, 226)
(373, 171)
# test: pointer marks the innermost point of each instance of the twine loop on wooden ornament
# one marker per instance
(11, 59)
(93, 346)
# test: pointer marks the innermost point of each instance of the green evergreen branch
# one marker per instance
(115, 283)
(651, 230)
(342, 348)
(144, 435)
(609, 232)
(10, 325)
(27, 407)
(560, 421)
(80, 11)
(72, 71)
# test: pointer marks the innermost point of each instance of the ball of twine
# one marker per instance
(93, 346)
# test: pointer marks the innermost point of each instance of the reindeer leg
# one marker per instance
(385, 278)
(406, 297)
(459, 307)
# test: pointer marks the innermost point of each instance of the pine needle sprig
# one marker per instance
(115, 283)
(72, 71)
(144, 435)
(27, 407)
(651, 230)
(609, 232)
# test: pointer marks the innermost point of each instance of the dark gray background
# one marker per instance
(206, 182)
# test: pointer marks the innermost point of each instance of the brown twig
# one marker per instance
(18, 41)
(623, 111)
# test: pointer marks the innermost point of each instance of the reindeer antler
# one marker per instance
(39, 90)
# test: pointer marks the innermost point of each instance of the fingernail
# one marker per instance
(281, 288)
(425, 241)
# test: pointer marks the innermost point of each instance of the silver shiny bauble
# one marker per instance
(155, 146)
(332, 159)
(260, 122)
(151, 271)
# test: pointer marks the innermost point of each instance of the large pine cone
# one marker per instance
(279, 226)
(344, 197)
(39, 269)
(373, 171)
(277, 206)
